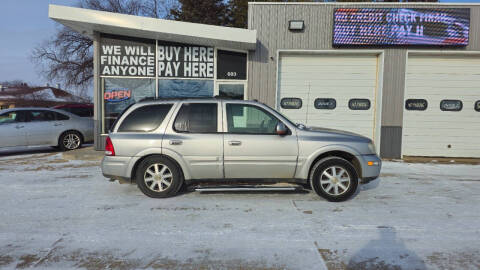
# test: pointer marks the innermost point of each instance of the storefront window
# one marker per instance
(119, 93)
(185, 88)
(233, 91)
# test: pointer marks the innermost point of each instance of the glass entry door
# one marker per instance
(233, 90)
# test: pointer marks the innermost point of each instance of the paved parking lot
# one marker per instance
(61, 213)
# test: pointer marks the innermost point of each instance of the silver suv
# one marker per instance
(162, 145)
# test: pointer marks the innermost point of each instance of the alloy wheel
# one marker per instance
(158, 177)
(71, 141)
(335, 180)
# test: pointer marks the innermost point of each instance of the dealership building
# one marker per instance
(405, 75)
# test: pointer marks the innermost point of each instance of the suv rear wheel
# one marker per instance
(158, 177)
(334, 179)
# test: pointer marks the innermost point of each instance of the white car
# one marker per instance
(44, 127)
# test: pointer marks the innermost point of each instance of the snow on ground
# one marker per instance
(59, 213)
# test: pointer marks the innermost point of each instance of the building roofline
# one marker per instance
(88, 22)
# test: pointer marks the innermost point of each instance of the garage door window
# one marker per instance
(291, 103)
(477, 106)
(416, 104)
(325, 103)
(450, 105)
(359, 104)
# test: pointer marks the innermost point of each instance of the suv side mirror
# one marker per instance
(281, 129)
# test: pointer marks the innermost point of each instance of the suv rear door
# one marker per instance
(252, 148)
(196, 135)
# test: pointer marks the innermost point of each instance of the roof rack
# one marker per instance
(182, 98)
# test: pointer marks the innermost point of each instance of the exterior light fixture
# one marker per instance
(296, 25)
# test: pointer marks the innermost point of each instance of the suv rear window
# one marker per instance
(197, 118)
(145, 119)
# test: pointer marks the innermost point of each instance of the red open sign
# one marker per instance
(117, 95)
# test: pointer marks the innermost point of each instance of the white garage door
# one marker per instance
(450, 125)
(336, 91)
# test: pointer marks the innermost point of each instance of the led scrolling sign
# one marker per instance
(401, 26)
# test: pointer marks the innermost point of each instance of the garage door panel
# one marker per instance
(437, 152)
(347, 60)
(354, 69)
(453, 70)
(325, 83)
(458, 121)
(444, 77)
(470, 93)
(430, 132)
(340, 77)
(441, 132)
(316, 77)
(421, 140)
(446, 84)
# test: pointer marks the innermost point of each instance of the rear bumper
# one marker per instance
(116, 168)
(371, 166)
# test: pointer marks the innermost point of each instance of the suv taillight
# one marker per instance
(109, 150)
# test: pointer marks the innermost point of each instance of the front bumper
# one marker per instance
(371, 166)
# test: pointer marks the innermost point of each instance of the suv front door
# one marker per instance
(196, 136)
(252, 148)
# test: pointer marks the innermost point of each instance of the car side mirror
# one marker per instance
(281, 129)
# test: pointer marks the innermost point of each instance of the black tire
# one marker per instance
(63, 141)
(326, 165)
(145, 186)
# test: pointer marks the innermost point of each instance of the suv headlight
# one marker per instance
(371, 147)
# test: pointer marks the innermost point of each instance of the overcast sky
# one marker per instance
(25, 24)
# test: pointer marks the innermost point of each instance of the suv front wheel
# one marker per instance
(158, 177)
(334, 179)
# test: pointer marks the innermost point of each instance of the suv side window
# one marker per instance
(249, 119)
(145, 119)
(197, 118)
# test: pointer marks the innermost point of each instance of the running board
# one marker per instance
(261, 188)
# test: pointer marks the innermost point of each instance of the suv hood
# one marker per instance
(319, 130)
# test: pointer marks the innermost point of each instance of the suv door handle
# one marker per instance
(19, 127)
(58, 124)
(234, 142)
(175, 142)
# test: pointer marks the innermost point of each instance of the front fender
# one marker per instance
(305, 162)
